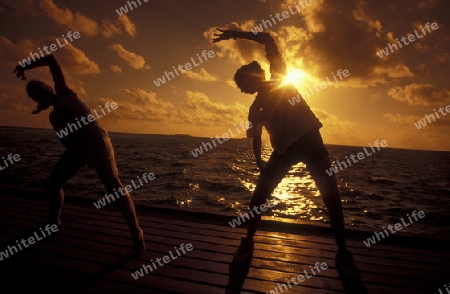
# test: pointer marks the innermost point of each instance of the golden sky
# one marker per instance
(118, 58)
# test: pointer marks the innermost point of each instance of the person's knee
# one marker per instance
(332, 200)
(259, 197)
(113, 183)
(54, 186)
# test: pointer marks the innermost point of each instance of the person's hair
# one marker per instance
(34, 88)
(249, 73)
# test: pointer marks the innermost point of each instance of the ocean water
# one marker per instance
(377, 191)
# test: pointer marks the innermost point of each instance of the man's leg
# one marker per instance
(345, 263)
(330, 194)
(108, 173)
(66, 167)
(275, 170)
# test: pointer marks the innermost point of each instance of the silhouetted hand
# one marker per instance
(20, 72)
(224, 35)
(261, 164)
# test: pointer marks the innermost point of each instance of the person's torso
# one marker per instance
(69, 118)
(285, 115)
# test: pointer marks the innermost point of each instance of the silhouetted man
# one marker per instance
(294, 136)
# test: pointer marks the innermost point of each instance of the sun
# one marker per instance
(294, 76)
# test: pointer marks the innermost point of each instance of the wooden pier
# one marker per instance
(90, 254)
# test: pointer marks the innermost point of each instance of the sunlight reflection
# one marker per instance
(296, 195)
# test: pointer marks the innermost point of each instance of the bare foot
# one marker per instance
(139, 243)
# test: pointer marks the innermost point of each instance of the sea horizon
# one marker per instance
(243, 138)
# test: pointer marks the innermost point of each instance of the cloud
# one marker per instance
(196, 110)
(132, 59)
(393, 70)
(19, 8)
(420, 94)
(129, 27)
(75, 21)
(109, 29)
(330, 35)
(336, 127)
(14, 97)
(145, 106)
(15, 51)
(232, 84)
(401, 119)
(78, 62)
(75, 61)
(438, 121)
(115, 68)
(240, 51)
(65, 17)
(213, 114)
(144, 98)
(202, 75)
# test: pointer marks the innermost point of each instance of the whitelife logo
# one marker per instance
(237, 221)
(398, 226)
(35, 56)
(11, 158)
(124, 9)
(110, 197)
(225, 137)
(188, 66)
(72, 127)
(165, 260)
(411, 38)
(334, 168)
(423, 122)
(285, 15)
(323, 85)
(300, 278)
(10, 250)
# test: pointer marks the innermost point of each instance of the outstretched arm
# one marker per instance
(55, 70)
(277, 64)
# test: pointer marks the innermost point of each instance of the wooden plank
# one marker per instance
(386, 253)
(90, 252)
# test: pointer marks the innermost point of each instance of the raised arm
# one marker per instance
(277, 64)
(55, 70)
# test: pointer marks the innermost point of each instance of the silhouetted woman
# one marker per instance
(89, 145)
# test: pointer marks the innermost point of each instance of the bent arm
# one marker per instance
(55, 70)
(255, 132)
(277, 63)
(257, 148)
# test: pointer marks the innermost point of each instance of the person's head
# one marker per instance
(41, 93)
(250, 77)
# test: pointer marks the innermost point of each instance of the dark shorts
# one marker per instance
(308, 149)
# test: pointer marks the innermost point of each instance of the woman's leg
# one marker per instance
(66, 167)
(108, 173)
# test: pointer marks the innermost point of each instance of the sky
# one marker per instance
(117, 58)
